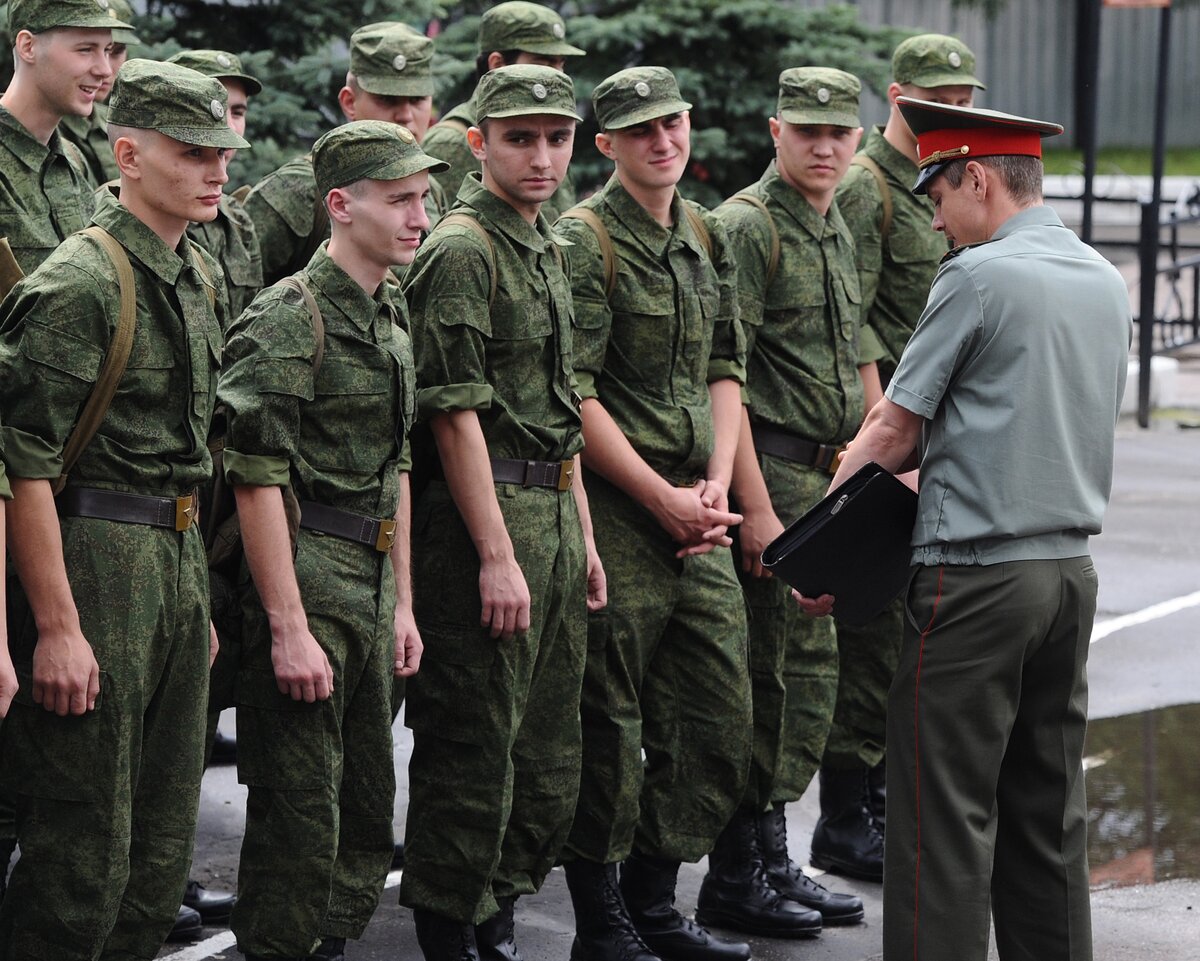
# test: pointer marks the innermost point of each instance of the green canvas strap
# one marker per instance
(773, 258)
(885, 192)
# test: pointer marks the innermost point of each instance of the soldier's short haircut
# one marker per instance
(1022, 176)
(481, 62)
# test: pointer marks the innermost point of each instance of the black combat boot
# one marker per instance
(847, 840)
(330, 949)
(648, 887)
(444, 940)
(495, 938)
(214, 907)
(877, 794)
(603, 929)
(737, 893)
(187, 926)
(790, 879)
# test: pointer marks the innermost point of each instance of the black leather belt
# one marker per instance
(374, 532)
(173, 513)
(779, 443)
(555, 474)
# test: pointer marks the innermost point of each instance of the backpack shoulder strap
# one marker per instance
(115, 358)
(466, 220)
(603, 238)
(242, 193)
(773, 258)
(699, 228)
(885, 192)
(202, 266)
(314, 312)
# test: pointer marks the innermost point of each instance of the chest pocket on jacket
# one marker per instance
(350, 425)
(522, 337)
(644, 337)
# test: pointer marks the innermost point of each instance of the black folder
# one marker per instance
(854, 544)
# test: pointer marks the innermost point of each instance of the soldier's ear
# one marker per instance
(773, 125)
(604, 145)
(338, 202)
(125, 152)
(346, 102)
(475, 140)
(23, 47)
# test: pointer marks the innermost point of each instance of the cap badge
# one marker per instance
(539, 91)
(217, 109)
(223, 60)
(399, 62)
(955, 59)
(559, 31)
(405, 134)
(823, 95)
(641, 88)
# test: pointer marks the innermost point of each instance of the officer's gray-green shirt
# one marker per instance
(448, 142)
(1019, 334)
(89, 135)
(44, 196)
(57, 325)
(510, 362)
(670, 328)
(337, 439)
(231, 240)
(802, 331)
(894, 273)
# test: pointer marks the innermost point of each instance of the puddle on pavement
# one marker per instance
(1143, 791)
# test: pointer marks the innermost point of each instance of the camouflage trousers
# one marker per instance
(666, 679)
(867, 659)
(106, 802)
(495, 763)
(320, 777)
(793, 659)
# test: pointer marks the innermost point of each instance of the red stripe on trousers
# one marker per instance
(917, 757)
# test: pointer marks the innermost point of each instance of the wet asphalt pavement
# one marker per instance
(1143, 752)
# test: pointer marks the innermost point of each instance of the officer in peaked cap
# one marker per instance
(992, 669)
(510, 33)
(897, 255)
(494, 710)
(125, 549)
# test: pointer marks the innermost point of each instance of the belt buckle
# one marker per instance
(835, 460)
(566, 473)
(386, 537)
(185, 512)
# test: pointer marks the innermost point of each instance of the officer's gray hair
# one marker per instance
(1022, 176)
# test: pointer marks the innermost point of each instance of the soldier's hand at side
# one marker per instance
(597, 580)
(214, 643)
(814, 606)
(408, 643)
(66, 677)
(302, 670)
(8, 677)
(757, 531)
(504, 596)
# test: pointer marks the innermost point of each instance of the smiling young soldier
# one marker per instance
(105, 755)
(660, 361)
(510, 33)
(61, 53)
(504, 567)
(391, 80)
(897, 254)
(799, 301)
(323, 637)
(89, 134)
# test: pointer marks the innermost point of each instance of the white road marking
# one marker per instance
(1146, 614)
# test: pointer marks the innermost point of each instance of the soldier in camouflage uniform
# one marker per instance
(895, 270)
(504, 567)
(323, 637)
(44, 190)
(104, 749)
(660, 360)
(799, 298)
(509, 33)
(90, 134)
(390, 79)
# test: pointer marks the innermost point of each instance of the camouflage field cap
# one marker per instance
(934, 60)
(636, 95)
(529, 27)
(220, 64)
(121, 10)
(819, 95)
(38, 15)
(369, 150)
(392, 60)
(174, 100)
(524, 90)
